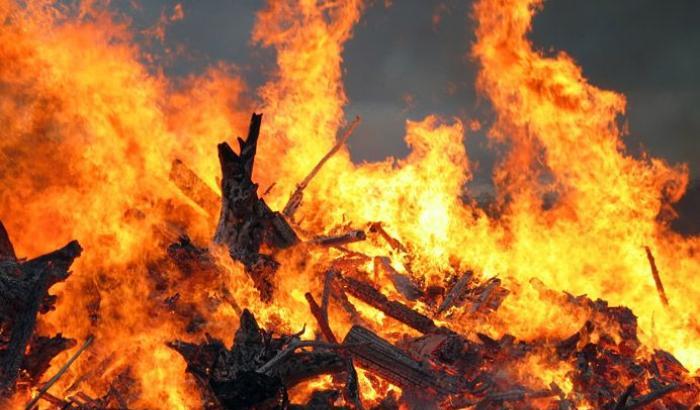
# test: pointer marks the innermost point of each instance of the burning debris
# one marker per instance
(342, 285)
(430, 364)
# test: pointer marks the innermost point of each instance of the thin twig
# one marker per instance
(292, 346)
(657, 278)
(296, 197)
(60, 373)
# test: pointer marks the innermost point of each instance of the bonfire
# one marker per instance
(194, 272)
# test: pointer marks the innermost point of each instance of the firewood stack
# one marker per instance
(434, 366)
(439, 369)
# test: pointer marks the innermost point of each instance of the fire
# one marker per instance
(90, 132)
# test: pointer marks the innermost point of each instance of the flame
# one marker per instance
(90, 130)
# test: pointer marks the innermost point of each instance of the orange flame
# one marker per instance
(90, 132)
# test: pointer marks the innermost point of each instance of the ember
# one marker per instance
(283, 276)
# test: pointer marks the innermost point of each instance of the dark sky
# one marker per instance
(399, 65)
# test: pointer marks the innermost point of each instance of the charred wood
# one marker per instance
(456, 293)
(368, 294)
(402, 283)
(657, 277)
(340, 239)
(194, 188)
(246, 223)
(7, 251)
(41, 351)
(378, 356)
(40, 274)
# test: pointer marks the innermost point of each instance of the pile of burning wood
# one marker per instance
(439, 368)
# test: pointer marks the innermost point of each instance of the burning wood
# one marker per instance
(381, 357)
(246, 222)
(402, 283)
(657, 277)
(194, 188)
(368, 294)
(259, 368)
(441, 368)
(339, 240)
(24, 287)
(295, 199)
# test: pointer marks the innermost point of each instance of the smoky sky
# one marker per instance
(411, 59)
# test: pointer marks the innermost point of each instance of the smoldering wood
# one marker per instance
(39, 274)
(622, 401)
(246, 223)
(396, 310)
(194, 187)
(380, 357)
(298, 195)
(642, 401)
(320, 313)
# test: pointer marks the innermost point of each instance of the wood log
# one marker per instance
(7, 251)
(376, 227)
(404, 314)
(41, 351)
(345, 238)
(245, 221)
(302, 366)
(380, 357)
(402, 283)
(41, 273)
(194, 188)
(456, 292)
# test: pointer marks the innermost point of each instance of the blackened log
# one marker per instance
(245, 221)
(191, 259)
(345, 238)
(250, 390)
(368, 294)
(622, 402)
(194, 188)
(43, 272)
(380, 357)
(7, 251)
(303, 366)
(41, 351)
(642, 401)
